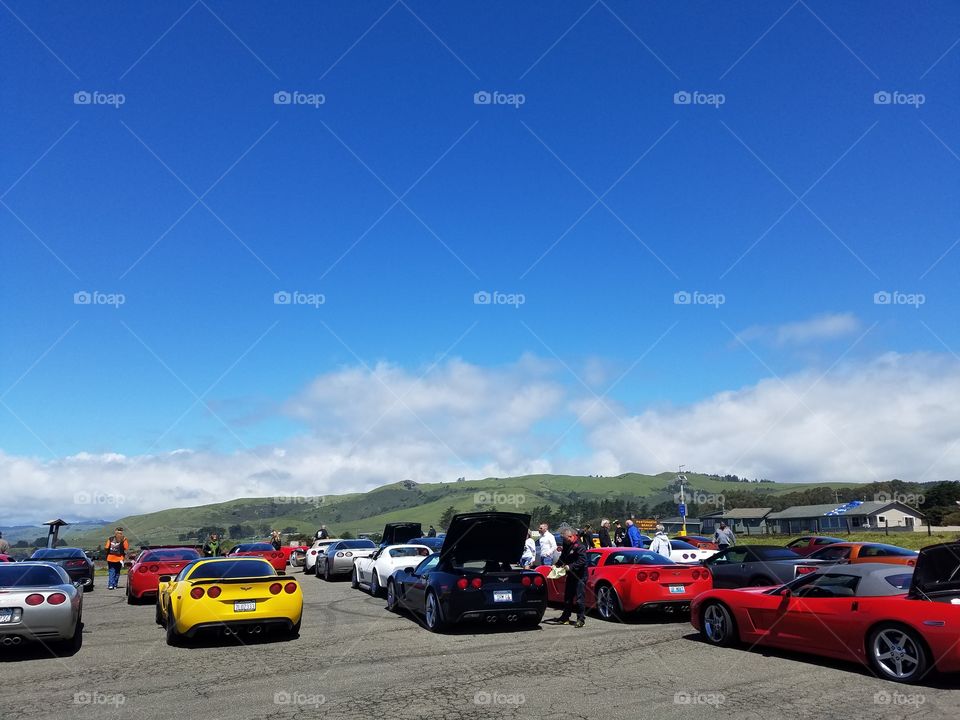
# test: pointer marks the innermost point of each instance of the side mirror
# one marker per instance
(78, 585)
(165, 578)
(784, 592)
(408, 570)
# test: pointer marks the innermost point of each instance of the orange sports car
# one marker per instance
(864, 552)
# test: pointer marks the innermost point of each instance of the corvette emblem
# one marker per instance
(249, 587)
(503, 579)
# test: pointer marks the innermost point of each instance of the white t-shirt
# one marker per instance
(548, 545)
(529, 549)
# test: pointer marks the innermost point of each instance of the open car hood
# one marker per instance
(937, 570)
(487, 536)
(398, 533)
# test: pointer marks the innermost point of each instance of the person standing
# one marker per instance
(4, 546)
(432, 532)
(619, 534)
(586, 536)
(633, 535)
(529, 551)
(322, 533)
(276, 540)
(213, 547)
(548, 545)
(573, 558)
(661, 543)
(116, 547)
(604, 533)
(724, 537)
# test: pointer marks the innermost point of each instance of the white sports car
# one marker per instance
(310, 559)
(372, 572)
(684, 552)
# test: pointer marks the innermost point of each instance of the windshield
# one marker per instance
(232, 569)
(57, 554)
(409, 552)
(254, 547)
(637, 557)
(169, 555)
(15, 575)
(355, 544)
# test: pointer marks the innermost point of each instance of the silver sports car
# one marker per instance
(38, 602)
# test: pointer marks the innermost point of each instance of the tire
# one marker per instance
(131, 600)
(433, 613)
(393, 602)
(88, 588)
(158, 616)
(354, 581)
(326, 572)
(608, 604)
(898, 653)
(375, 589)
(173, 637)
(717, 625)
(73, 644)
(295, 630)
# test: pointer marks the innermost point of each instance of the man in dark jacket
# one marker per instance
(619, 534)
(573, 558)
(605, 533)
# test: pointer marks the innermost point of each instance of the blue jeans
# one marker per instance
(113, 576)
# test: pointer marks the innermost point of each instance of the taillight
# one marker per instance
(34, 599)
(154, 568)
(290, 588)
(538, 581)
(804, 569)
(695, 574)
(705, 575)
(525, 581)
(911, 562)
(339, 554)
(196, 593)
(313, 552)
(654, 575)
(277, 554)
(641, 576)
(142, 569)
(56, 598)
(348, 554)
(275, 588)
(476, 583)
(462, 584)
(213, 591)
(76, 563)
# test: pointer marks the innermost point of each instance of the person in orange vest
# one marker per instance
(116, 547)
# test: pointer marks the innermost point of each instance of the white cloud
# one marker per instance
(828, 326)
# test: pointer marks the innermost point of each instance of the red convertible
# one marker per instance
(900, 622)
(623, 580)
(144, 574)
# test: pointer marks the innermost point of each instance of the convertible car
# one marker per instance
(74, 560)
(143, 576)
(475, 576)
(261, 549)
(372, 571)
(621, 581)
(233, 595)
(39, 602)
(900, 623)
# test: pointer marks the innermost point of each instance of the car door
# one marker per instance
(728, 567)
(821, 616)
(416, 588)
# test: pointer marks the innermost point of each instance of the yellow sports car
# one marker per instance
(228, 595)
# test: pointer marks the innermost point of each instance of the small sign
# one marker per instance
(683, 510)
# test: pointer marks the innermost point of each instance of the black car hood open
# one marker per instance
(398, 533)
(487, 536)
(937, 570)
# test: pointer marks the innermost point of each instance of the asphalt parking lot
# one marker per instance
(354, 659)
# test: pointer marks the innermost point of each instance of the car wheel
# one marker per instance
(73, 643)
(295, 630)
(88, 588)
(158, 616)
(897, 653)
(326, 572)
(717, 626)
(393, 603)
(375, 588)
(432, 613)
(173, 637)
(608, 604)
(131, 600)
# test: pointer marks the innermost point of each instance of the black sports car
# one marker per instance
(74, 560)
(475, 576)
(757, 566)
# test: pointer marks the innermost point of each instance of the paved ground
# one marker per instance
(355, 660)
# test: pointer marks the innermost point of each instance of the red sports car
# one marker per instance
(623, 580)
(901, 622)
(698, 541)
(261, 549)
(811, 543)
(142, 577)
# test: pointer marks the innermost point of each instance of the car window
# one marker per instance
(732, 555)
(799, 542)
(593, 558)
(823, 541)
(355, 544)
(427, 565)
(408, 552)
(232, 569)
(831, 553)
(901, 581)
(773, 553)
(829, 585)
(636, 557)
(167, 555)
(57, 554)
(681, 545)
(254, 547)
(16, 575)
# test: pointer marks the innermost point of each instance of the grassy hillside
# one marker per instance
(425, 503)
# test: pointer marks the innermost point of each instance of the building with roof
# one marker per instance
(751, 521)
(855, 515)
(673, 525)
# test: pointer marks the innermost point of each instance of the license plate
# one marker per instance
(503, 595)
(244, 605)
(6, 615)
(677, 589)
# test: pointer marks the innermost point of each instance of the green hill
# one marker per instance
(426, 503)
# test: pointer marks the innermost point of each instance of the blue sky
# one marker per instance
(699, 199)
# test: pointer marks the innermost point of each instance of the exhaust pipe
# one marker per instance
(11, 640)
(254, 630)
